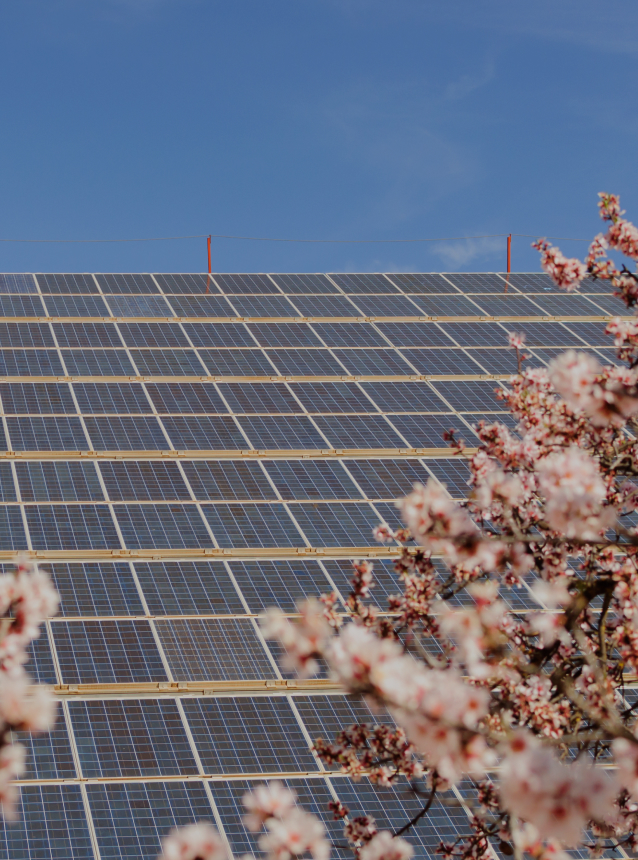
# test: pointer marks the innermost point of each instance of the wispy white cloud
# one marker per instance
(458, 255)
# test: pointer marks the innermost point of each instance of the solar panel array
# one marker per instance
(184, 451)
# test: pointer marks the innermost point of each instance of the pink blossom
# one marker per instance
(609, 206)
(193, 842)
(623, 235)
(303, 641)
(384, 846)
(626, 758)
(566, 273)
(273, 800)
(574, 492)
(26, 707)
(517, 341)
(296, 833)
(559, 800)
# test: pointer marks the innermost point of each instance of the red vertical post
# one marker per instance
(208, 243)
(509, 253)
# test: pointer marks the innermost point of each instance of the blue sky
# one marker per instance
(344, 119)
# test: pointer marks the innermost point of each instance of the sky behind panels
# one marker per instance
(346, 119)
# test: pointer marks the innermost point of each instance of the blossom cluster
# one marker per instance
(27, 598)
(525, 703)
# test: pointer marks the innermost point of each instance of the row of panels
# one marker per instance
(226, 480)
(217, 588)
(232, 433)
(169, 335)
(290, 284)
(72, 822)
(266, 363)
(390, 305)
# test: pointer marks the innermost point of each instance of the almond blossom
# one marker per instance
(384, 847)
(193, 842)
(566, 273)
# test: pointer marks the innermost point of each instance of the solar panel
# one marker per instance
(155, 334)
(330, 397)
(69, 306)
(175, 284)
(374, 362)
(127, 283)
(248, 735)
(213, 649)
(338, 524)
(218, 334)
(158, 362)
(25, 334)
(71, 527)
(95, 589)
(162, 526)
(188, 588)
(278, 583)
(125, 433)
(98, 362)
(36, 398)
(58, 482)
(350, 334)
(252, 525)
(364, 283)
(243, 397)
(283, 432)
(30, 362)
(143, 481)
(358, 431)
(17, 284)
(228, 480)
(138, 306)
(185, 397)
(416, 333)
(306, 362)
(404, 396)
(131, 738)
(387, 479)
(284, 334)
(49, 755)
(47, 434)
(111, 398)
(83, 335)
(238, 284)
(311, 479)
(304, 284)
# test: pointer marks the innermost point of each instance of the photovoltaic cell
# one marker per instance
(252, 525)
(325, 716)
(36, 398)
(82, 335)
(454, 473)
(94, 589)
(248, 735)
(17, 284)
(263, 306)
(50, 824)
(311, 479)
(479, 333)
(278, 583)
(374, 362)
(202, 433)
(30, 362)
(318, 397)
(185, 283)
(448, 306)
(426, 431)
(185, 397)
(213, 649)
(441, 361)
(422, 283)
(359, 431)
(70, 283)
(71, 527)
(131, 819)
(388, 306)
(228, 480)
(306, 362)
(72, 306)
(111, 398)
(131, 738)
(48, 755)
(47, 434)
(146, 480)
(416, 333)
(22, 306)
(350, 334)
(127, 284)
(237, 284)
(7, 488)
(201, 306)
(188, 588)
(98, 362)
(279, 432)
(251, 397)
(337, 524)
(477, 282)
(126, 433)
(169, 526)
(174, 362)
(155, 334)
(469, 395)
(364, 283)
(40, 666)
(395, 806)
(42, 481)
(404, 396)
(501, 361)
(138, 306)
(304, 283)
(218, 334)
(387, 479)
(107, 652)
(25, 334)
(237, 362)
(284, 334)
(325, 306)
